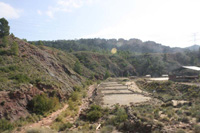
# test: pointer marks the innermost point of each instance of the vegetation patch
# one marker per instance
(42, 104)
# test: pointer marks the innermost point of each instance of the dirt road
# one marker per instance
(47, 121)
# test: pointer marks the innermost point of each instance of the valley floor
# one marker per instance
(130, 105)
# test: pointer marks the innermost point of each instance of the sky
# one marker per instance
(174, 23)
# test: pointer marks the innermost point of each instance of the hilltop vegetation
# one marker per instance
(145, 57)
(132, 45)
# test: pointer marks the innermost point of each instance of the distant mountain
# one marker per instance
(132, 45)
(193, 47)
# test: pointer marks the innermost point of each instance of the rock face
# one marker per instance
(49, 70)
(14, 104)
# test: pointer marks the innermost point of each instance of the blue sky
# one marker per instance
(169, 22)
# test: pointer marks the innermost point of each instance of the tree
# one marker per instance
(40, 43)
(14, 49)
(4, 27)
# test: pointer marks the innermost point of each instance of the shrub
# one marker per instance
(77, 67)
(197, 129)
(14, 49)
(59, 119)
(121, 115)
(94, 113)
(75, 96)
(95, 107)
(21, 78)
(5, 125)
(107, 75)
(5, 41)
(77, 88)
(64, 126)
(84, 94)
(197, 114)
(107, 129)
(71, 104)
(185, 119)
(89, 82)
(40, 130)
(9, 68)
(41, 104)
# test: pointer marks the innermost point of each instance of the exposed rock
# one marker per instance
(14, 104)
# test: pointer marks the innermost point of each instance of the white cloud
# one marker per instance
(39, 12)
(170, 22)
(8, 11)
(66, 6)
(50, 13)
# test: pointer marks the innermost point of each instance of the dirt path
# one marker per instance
(47, 121)
(85, 101)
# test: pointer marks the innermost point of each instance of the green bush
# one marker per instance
(21, 78)
(121, 115)
(41, 104)
(71, 104)
(94, 113)
(107, 129)
(75, 96)
(77, 88)
(77, 67)
(4, 52)
(64, 126)
(5, 125)
(5, 42)
(9, 68)
(14, 49)
(40, 130)
(107, 75)
(89, 82)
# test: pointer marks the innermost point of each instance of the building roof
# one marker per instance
(192, 68)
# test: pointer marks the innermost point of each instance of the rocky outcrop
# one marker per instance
(14, 104)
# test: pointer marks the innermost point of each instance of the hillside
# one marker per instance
(193, 48)
(31, 70)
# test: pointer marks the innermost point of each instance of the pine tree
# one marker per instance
(4, 27)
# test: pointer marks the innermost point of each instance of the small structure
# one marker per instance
(148, 76)
(165, 75)
(185, 74)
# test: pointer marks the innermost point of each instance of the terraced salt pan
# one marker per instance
(116, 93)
(117, 87)
(123, 99)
